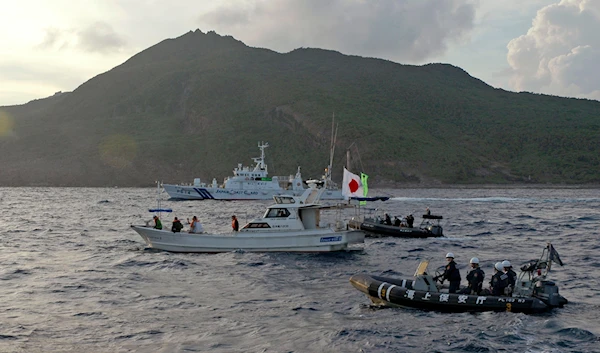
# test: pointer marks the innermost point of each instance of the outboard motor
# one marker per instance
(547, 291)
(436, 230)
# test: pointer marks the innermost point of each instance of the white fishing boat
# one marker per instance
(247, 183)
(292, 224)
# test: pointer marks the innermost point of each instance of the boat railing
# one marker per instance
(360, 213)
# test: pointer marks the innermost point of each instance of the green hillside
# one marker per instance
(197, 105)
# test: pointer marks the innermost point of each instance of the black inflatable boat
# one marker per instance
(375, 226)
(378, 223)
(533, 293)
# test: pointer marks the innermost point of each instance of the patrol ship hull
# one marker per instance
(190, 192)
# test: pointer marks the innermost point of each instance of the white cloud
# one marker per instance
(401, 30)
(98, 37)
(50, 46)
(560, 52)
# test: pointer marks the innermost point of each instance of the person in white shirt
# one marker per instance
(195, 226)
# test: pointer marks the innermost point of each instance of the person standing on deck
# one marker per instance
(234, 223)
(499, 280)
(410, 220)
(451, 274)
(474, 278)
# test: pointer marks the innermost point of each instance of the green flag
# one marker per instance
(363, 179)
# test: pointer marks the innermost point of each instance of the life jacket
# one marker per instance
(177, 226)
(452, 274)
(475, 278)
(499, 282)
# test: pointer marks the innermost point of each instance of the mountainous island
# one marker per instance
(197, 105)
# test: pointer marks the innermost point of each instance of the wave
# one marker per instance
(18, 273)
(577, 333)
(94, 313)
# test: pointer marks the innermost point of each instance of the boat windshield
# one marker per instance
(284, 199)
(277, 212)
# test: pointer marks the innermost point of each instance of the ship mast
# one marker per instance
(260, 162)
(331, 152)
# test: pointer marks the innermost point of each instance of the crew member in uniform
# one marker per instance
(388, 220)
(451, 274)
(499, 280)
(475, 278)
(409, 220)
(512, 275)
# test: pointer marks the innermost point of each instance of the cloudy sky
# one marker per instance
(543, 46)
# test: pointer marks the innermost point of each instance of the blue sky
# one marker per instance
(542, 46)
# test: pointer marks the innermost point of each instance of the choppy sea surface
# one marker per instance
(74, 277)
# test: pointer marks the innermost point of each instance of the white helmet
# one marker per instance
(505, 263)
(474, 260)
(499, 266)
(450, 255)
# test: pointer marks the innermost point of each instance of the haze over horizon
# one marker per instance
(544, 46)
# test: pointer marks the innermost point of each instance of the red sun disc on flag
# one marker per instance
(353, 185)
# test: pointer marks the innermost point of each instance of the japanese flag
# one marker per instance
(351, 186)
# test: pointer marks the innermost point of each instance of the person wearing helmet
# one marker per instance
(474, 278)
(512, 275)
(499, 280)
(451, 274)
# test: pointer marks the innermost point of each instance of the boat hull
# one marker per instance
(399, 293)
(377, 229)
(189, 192)
(322, 240)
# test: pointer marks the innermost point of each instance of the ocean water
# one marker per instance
(74, 277)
